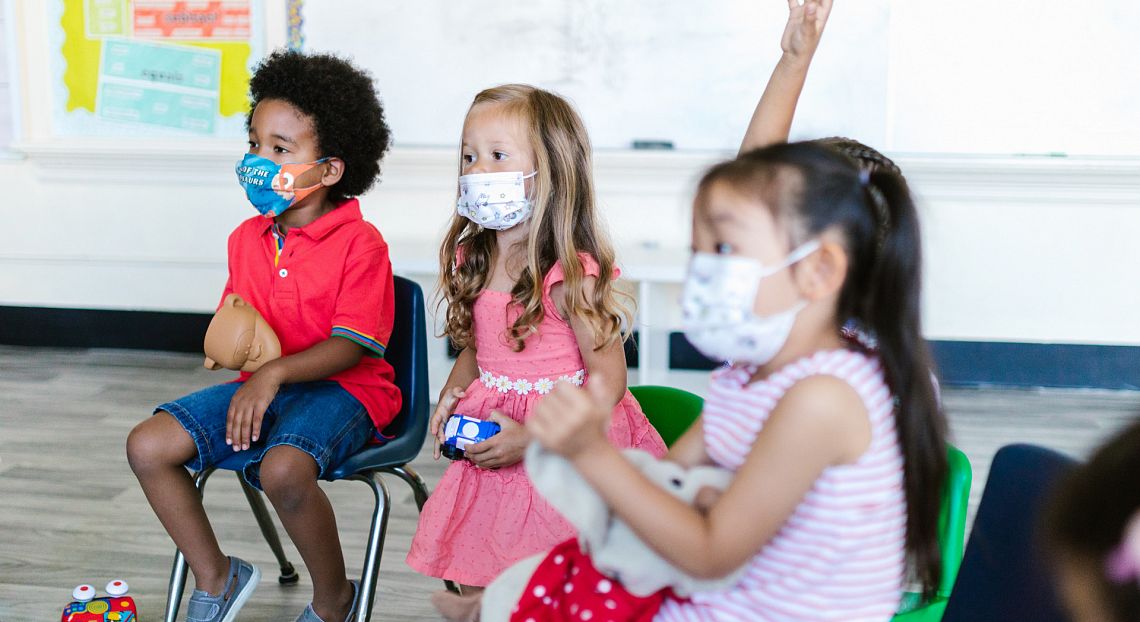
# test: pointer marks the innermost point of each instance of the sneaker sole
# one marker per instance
(242, 596)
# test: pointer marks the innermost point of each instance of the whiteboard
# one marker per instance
(686, 72)
(907, 76)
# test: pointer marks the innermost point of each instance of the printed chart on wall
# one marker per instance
(154, 67)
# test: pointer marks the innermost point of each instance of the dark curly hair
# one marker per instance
(341, 101)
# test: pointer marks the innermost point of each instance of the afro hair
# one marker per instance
(342, 104)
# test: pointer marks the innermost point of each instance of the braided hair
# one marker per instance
(867, 158)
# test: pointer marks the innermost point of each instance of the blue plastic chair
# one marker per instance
(407, 352)
(1004, 575)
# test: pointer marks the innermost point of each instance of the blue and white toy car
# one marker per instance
(461, 431)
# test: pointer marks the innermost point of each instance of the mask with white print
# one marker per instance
(717, 303)
(494, 200)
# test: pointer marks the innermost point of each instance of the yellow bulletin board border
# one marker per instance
(78, 69)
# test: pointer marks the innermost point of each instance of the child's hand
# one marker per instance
(443, 410)
(248, 406)
(503, 449)
(706, 498)
(806, 19)
(570, 420)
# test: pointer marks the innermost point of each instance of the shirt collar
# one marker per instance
(348, 211)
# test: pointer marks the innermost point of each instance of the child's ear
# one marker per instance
(334, 170)
(823, 272)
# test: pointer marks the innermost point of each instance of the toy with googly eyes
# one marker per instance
(116, 606)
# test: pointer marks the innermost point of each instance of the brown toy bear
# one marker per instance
(239, 338)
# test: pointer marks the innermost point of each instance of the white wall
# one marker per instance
(7, 92)
(1019, 76)
(1019, 248)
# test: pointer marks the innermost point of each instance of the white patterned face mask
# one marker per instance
(717, 302)
(494, 200)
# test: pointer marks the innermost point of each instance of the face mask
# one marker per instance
(716, 306)
(269, 186)
(494, 200)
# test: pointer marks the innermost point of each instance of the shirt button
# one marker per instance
(283, 272)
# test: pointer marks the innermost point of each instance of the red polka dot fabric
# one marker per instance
(567, 588)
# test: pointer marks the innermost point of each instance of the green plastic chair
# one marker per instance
(951, 541)
(671, 411)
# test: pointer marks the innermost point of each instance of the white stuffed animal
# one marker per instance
(614, 548)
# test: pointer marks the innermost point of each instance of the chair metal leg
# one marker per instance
(375, 544)
(420, 491)
(288, 575)
(177, 585)
(419, 488)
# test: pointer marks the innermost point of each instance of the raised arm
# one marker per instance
(772, 120)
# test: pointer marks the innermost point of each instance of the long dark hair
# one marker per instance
(1089, 512)
(811, 188)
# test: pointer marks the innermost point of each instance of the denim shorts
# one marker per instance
(319, 418)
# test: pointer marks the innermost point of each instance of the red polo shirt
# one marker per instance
(330, 278)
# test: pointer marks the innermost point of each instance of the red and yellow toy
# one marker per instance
(115, 607)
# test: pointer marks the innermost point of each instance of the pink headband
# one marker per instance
(1123, 563)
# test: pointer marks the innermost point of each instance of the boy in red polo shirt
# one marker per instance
(320, 276)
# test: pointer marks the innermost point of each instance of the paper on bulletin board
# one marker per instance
(159, 84)
(106, 18)
(202, 21)
(88, 104)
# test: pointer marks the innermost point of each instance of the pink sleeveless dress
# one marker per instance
(478, 522)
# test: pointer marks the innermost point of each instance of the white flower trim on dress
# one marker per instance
(542, 386)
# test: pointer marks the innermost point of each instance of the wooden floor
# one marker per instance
(71, 511)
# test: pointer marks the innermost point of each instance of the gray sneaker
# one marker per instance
(242, 580)
(308, 615)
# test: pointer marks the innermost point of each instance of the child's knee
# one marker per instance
(149, 445)
(287, 476)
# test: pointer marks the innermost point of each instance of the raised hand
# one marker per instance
(806, 20)
(772, 120)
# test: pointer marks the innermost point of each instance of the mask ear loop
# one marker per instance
(794, 257)
(318, 184)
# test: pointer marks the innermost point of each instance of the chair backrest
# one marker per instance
(1004, 575)
(952, 518)
(407, 354)
(951, 538)
(671, 411)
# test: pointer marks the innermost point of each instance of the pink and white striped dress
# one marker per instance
(840, 555)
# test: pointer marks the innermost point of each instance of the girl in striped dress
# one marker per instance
(838, 452)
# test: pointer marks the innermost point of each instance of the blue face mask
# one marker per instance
(269, 185)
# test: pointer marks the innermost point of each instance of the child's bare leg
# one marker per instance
(289, 478)
(458, 608)
(156, 449)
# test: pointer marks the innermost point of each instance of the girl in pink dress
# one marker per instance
(527, 275)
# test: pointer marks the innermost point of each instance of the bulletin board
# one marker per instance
(154, 67)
